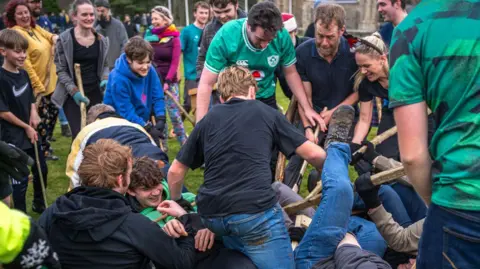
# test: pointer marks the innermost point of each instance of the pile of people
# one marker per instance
(128, 206)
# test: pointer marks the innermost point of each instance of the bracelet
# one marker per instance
(308, 127)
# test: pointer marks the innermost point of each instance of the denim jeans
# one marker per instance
(392, 203)
(332, 219)
(412, 202)
(61, 117)
(450, 239)
(262, 237)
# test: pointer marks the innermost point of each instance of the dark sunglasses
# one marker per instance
(354, 42)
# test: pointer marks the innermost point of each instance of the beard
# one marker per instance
(36, 13)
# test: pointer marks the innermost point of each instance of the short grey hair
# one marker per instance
(96, 110)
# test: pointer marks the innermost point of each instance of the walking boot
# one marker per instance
(340, 125)
(66, 132)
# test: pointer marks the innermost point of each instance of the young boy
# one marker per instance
(18, 114)
(134, 89)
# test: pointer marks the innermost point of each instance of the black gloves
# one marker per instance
(160, 125)
(369, 155)
(185, 205)
(367, 191)
(14, 161)
(296, 233)
(36, 252)
(153, 132)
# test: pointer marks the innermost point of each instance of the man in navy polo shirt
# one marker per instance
(326, 67)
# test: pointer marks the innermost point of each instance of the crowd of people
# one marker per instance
(128, 206)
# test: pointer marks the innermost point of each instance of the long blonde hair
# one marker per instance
(366, 48)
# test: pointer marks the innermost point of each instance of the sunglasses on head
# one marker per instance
(354, 42)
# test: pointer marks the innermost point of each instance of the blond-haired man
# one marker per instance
(93, 225)
(235, 141)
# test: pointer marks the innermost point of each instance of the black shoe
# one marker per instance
(313, 179)
(50, 157)
(340, 125)
(38, 208)
(52, 139)
(66, 132)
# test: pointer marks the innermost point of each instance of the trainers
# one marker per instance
(38, 208)
(340, 125)
(66, 132)
(50, 157)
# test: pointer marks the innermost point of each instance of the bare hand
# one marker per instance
(174, 228)
(204, 240)
(314, 118)
(34, 120)
(31, 134)
(310, 136)
(165, 87)
(54, 39)
(327, 115)
(171, 208)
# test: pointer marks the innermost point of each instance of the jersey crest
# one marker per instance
(273, 60)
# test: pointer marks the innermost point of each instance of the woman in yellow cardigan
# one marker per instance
(39, 66)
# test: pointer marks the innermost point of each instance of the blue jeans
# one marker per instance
(262, 237)
(450, 239)
(332, 219)
(412, 202)
(392, 203)
(62, 117)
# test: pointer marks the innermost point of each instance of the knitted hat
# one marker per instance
(102, 3)
(164, 12)
(289, 22)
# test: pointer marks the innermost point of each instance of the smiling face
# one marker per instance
(371, 66)
(158, 21)
(15, 57)
(35, 7)
(140, 67)
(85, 16)
(387, 9)
(202, 15)
(148, 197)
(225, 14)
(22, 16)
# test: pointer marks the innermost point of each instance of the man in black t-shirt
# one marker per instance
(18, 114)
(235, 141)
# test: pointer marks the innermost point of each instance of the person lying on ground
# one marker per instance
(148, 189)
(326, 243)
(134, 89)
(235, 141)
(94, 226)
(104, 123)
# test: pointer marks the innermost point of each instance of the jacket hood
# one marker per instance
(91, 213)
(122, 67)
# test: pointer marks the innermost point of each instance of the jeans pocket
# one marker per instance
(460, 249)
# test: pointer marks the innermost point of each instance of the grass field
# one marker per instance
(58, 181)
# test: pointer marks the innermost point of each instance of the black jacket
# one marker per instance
(207, 36)
(281, 76)
(93, 228)
(131, 29)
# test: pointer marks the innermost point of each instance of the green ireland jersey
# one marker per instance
(435, 57)
(231, 46)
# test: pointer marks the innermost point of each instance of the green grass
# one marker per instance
(58, 181)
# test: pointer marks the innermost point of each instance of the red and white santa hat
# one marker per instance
(289, 22)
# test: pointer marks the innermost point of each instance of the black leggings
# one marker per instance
(72, 110)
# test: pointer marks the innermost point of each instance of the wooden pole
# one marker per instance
(189, 117)
(40, 174)
(280, 169)
(305, 163)
(83, 108)
(377, 179)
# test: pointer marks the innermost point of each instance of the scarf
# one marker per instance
(157, 34)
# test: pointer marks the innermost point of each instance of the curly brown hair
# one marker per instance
(145, 174)
(10, 8)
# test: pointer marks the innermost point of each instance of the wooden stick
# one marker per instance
(154, 122)
(377, 179)
(83, 108)
(40, 174)
(188, 116)
(305, 163)
(280, 169)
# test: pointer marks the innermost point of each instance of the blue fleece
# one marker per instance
(132, 96)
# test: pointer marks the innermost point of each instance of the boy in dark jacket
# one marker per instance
(93, 225)
(134, 89)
